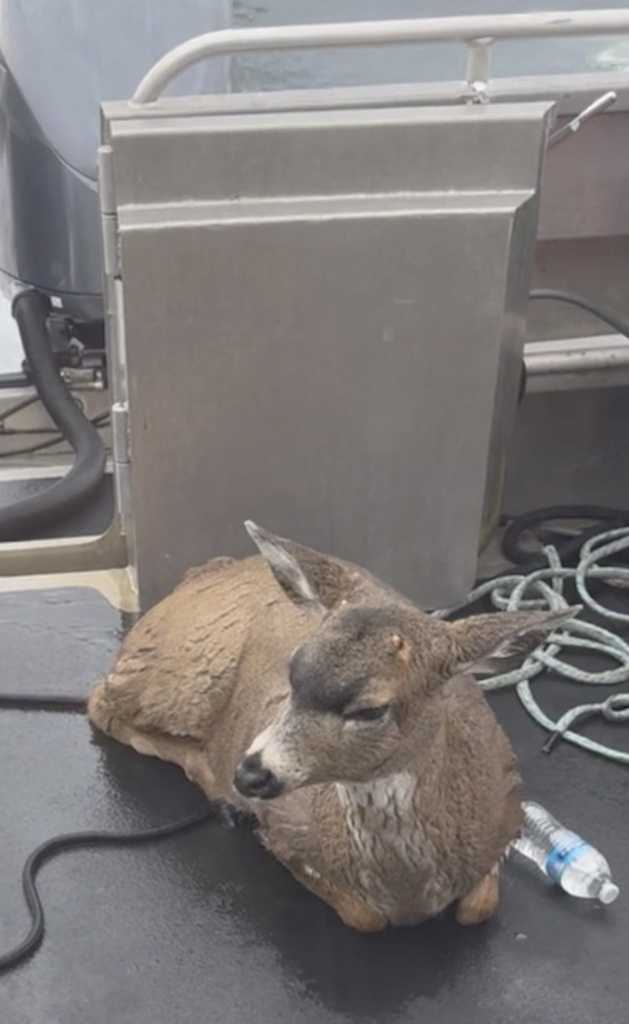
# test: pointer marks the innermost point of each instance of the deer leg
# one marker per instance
(353, 911)
(187, 754)
(481, 902)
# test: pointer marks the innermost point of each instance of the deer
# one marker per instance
(300, 690)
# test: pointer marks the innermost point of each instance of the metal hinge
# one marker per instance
(111, 245)
(106, 189)
(120, 436)
(121, 444)
(109, 217)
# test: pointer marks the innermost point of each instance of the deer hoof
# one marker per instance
(481, 902)
(357, 915)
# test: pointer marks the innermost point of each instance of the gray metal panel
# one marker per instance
(509, 370)
(568, 449)
(593, 267)
(593, 161)
(572, 92)
(326, 152)
(323, 314)
(321, 374)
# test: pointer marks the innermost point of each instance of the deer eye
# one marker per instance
(373, 714)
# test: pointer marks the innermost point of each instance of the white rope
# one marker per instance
(543, 589)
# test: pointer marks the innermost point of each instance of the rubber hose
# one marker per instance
(22, 519)
(569, 549)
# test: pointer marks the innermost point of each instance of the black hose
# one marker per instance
(572, 298)
(567, 550)
(66, 841)
(21, 520)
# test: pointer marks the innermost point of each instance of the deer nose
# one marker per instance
(253, 780)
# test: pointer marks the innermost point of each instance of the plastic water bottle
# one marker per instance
(564, 857)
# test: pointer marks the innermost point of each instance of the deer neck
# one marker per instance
(384, 834)
(379, 806)
(385, 813)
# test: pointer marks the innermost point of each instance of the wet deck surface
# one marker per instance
(207, 927)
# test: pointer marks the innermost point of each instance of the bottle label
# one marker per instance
(560, 856)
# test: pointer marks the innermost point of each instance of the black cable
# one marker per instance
(21, 520)
(31, 310)
(21, 431)
(67, 841)
(23, 404)
(72, 703)
(102, 420)
(25, 431)
(43, 702)
(572, 298)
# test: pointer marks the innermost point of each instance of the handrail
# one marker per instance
(476, 31)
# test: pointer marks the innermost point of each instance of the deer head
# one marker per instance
(366, 687)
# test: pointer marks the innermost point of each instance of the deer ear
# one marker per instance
(501, 641)
(305, 576)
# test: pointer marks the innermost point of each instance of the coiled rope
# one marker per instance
(544, 589)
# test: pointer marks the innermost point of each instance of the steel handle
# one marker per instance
(377, 33)
(599, 106)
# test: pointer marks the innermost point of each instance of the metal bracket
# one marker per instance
(599, 105)
(477, 74)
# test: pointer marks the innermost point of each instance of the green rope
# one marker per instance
(543, 589)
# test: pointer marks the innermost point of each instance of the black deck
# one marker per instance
(207, 927)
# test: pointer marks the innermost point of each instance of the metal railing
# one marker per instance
(476, 32)
(575, 364)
